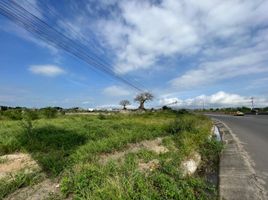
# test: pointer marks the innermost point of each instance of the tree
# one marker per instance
(124, 103)
(142, 98)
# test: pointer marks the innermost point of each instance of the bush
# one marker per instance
(181, 111)
(19, 180)
(49, 112)
(13, 114)
(101, 116)
(181, 124)
(30, 115)
(166, 108)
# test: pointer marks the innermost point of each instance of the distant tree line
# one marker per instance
(18, 113)
(235, 109)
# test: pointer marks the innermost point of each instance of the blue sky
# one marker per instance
(187, 51)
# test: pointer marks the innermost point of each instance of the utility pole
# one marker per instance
(203, 103)
(252, 103)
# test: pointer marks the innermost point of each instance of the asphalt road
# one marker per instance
(252, 131)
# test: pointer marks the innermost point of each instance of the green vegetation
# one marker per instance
(33, 114)
(235, 109)
(69, 147)
(10, 184)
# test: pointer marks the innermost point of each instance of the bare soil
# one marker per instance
(151, 145)
(16, 162)
(36, 192)
(12, 163)
(148, 166)
(21, 162)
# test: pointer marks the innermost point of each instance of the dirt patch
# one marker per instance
(37, 192)
(16, 162)
(148, 166)
(152, 145)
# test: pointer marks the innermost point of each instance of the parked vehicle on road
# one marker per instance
(238, 113)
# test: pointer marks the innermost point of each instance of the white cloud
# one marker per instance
(116, 91)
(143, 32)
(169, 101)
(46, 70)
(226, 39)
(86, 102)
(233, 66)
(219, 99)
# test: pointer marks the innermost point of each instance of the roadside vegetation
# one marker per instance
(233, 110)
(69, 149)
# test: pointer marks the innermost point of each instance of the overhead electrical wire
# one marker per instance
(66, 24)
(79, 35)
(44, 31)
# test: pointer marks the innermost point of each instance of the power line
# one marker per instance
(80, 35)
(44, 31)
(168, 104)
(66, 24)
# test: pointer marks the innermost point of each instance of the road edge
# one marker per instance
(237, 177)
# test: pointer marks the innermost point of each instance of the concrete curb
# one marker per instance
(237, 178)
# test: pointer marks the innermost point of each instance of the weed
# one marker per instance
(101, 116)
(68, 147)
(3, 160)
(10, 184)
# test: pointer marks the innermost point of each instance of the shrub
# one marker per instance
(14, 114)
(182, 124)
(166, 108)
(49, 112)
(30, 115)
(101, 116)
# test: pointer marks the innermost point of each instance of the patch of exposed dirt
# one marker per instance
(151, 145)
(16, 162)
(36, 192)
(154, 145)
(148, 166)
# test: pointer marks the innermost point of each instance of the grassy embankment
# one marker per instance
(68, 147)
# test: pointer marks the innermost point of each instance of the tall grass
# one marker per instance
(67, 147)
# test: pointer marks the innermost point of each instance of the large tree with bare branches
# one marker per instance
(124, 103)
(142, 98)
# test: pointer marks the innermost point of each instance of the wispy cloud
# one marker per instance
(116, 91)
(46, 70)
(86, 102)
(221, 69)
(143, 32)
(23, 34)
(31, 5)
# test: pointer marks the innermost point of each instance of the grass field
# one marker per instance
(68, 149)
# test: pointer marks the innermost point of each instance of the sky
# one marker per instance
(192, 52)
